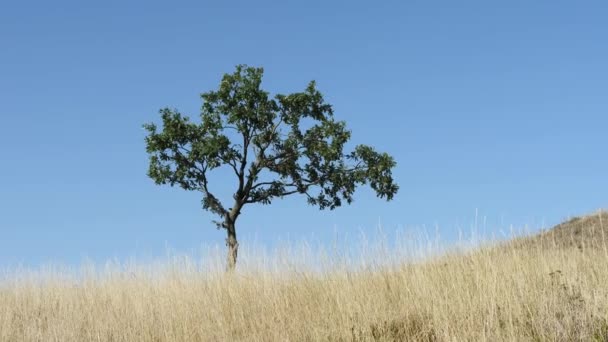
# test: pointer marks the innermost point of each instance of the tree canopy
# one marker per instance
(292, 140)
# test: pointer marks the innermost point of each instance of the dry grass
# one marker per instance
(537, 293)
(586, 232)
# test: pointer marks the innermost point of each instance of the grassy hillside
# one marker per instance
(551, 287)
(584, 232)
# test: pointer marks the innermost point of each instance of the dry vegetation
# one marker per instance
(535, 289)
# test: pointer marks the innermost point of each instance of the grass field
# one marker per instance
(550, 287)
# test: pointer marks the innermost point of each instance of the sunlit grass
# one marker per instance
(378, 291)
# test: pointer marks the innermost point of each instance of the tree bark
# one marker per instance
(233, 246)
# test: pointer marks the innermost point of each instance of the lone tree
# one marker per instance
(275, 146)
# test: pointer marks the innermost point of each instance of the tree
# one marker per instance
(275, 146)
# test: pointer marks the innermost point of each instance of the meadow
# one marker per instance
(547, 287)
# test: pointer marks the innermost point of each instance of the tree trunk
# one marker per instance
(233, 246)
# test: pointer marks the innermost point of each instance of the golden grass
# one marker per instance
(537, 293)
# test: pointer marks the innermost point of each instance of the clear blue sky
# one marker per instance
(495, 106)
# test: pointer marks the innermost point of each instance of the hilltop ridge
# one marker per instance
(588, 231)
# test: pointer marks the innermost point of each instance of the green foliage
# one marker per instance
(292, 137)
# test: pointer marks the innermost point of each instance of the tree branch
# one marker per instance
(241, 172)
(232, 164)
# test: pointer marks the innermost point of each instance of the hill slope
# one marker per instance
(488, 294)
(590, 231)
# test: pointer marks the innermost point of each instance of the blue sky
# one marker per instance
(495, 107)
